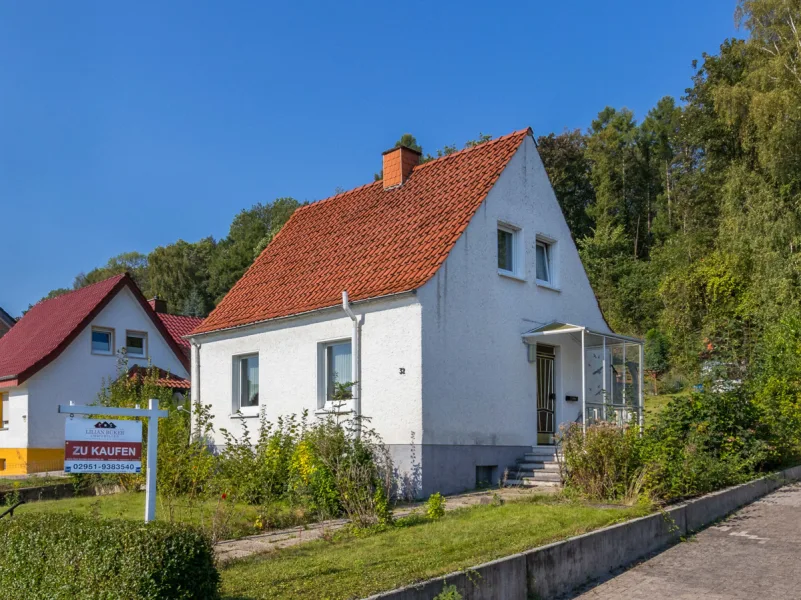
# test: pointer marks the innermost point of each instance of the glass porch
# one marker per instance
(611, 373)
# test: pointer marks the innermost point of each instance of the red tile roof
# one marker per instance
(179, 326)
(369, 241)
(165, 378)
(50, 326)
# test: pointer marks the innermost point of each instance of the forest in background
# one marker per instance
(687, 221)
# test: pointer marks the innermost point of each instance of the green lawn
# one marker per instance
(357, 566)
(239, 518)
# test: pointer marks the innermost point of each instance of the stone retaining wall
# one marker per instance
(556, 569)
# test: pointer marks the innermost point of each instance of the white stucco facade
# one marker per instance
(444, 366)
(78, 375)
(291, 365)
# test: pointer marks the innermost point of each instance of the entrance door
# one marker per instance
(546, 397)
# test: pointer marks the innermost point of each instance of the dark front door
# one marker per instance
(546, 397)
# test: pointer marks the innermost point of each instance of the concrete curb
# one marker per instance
(558, 568)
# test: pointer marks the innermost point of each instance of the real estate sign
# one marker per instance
(102, 446)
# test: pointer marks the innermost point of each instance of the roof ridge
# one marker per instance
(81, 289)
(439, 159)
(463, 151)
(340, 194)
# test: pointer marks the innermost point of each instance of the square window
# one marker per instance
(102, 341)
(338, 370)
(246, 383)
(544, 262)
(506, 250)
(136, 344)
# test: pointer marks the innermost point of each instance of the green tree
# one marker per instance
(180, 271)
(569, 169)
(246, 237)
(134, 263)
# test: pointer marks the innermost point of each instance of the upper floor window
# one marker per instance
(510, 256)
(246, 383)
(338, 370)
(102, 341)
(545, 262)
(136, 344)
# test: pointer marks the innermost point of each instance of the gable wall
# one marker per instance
(78, 375)
(478, 387)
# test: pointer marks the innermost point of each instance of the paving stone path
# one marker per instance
(754, 553)
(273, 540)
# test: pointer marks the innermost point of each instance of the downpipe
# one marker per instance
(356, 367)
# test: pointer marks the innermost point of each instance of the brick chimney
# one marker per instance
(158, 305)
(398, 165)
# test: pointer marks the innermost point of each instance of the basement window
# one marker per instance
(486, 475)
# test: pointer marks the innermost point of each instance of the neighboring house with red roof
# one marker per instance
(445, 292)
(6, 322)
(64, 349)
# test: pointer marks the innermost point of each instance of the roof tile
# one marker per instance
(369, 241)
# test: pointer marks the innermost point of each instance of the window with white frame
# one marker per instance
(510, 257)
(338, 357)
(545, 271)
(4, 411)
(246, 383)
(136, 344)
(102, 341)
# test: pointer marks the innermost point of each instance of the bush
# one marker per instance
(604, 463)
(776, 387)
(705, 442)
(62, 556)
(435, 507)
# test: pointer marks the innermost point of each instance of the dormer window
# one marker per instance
(510, 255)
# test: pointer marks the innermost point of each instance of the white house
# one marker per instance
(468, 322)
(63, 349)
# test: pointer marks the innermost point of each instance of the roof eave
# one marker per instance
(332, 307)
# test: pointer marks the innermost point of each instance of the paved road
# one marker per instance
(754, 554)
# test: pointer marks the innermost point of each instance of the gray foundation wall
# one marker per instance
(423, 469)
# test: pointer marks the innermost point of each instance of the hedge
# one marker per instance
(54, 557)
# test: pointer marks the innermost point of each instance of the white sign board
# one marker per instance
(102, 446)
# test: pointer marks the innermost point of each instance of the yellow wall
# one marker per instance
(20, 461)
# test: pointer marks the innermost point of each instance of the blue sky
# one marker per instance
(125, 126)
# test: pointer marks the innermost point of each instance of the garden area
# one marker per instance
(298, 471)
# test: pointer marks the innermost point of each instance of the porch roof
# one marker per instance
(555, 328)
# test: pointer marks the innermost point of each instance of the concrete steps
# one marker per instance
(539, 467)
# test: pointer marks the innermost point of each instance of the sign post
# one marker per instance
(114, 446)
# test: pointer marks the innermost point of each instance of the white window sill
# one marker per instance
(547, 286)
(244, 416)
(510, 275)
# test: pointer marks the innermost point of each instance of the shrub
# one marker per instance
(776, 387)
(704, 442)
(603, 463)
(65, 556)
(435, 507)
